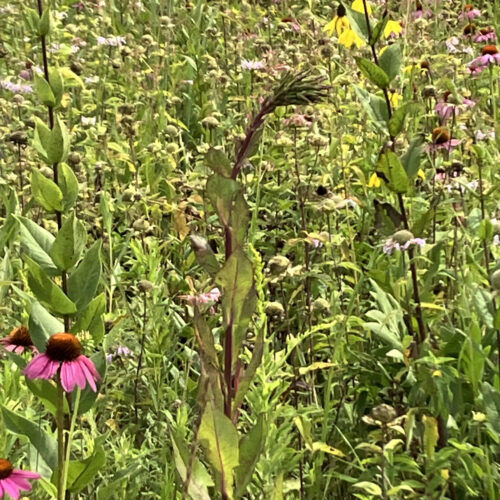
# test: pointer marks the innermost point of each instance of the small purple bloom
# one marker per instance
(252, 65)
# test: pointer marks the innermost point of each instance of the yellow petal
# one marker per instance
(421, 174)
(347, 38)
(395, 99)
(374, 181)
(392, 27)
(358, 6)
(329, 29)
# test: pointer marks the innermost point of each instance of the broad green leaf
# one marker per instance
(378, 30)
(390, 61)
(83, 281)
(373, 72)
(91, 319)
(491, 402)
(47, 392)
(68, 184)
(326, 448)
(204, 254)
(57, 148)
(67, 74)
(44, 91)
(236, 280)
(250, 449)
(431, 435)
(221, 192)
(44, 443)
(411, 159)
(374, 105)
(44, 22)
(42, 325)
(69, 243)
(218, 161)
(82, 472)
(219, 438)
(397, 120)
(200, 479)
(46, 192)
(358, 24)
(239, 220)
(46, 291)
(37, 242)
(390, 165)
(56, 84)
(41, 138)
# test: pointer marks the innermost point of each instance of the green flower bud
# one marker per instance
(278, 264)
(275, 309)
(402, 236)
(384, 413)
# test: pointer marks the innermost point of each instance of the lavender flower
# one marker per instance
(16, 88)
(469, 13)
(204, 298)
(401, 240)
(489, 57)
(252, 65)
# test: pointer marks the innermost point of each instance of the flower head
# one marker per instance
(63, 354)
(13, 481)
(485, 35)
(489, 56)
(401, 240)
(469, 12)
(204, 298)
(252, 65)
(16, 88)
(18, 340)
(441, 139)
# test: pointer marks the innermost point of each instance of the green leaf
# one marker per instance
(44, 443)
(236, 280)
(390, 61)
(57, 148)
(390, 165)
(219, 438)
(378, 30)
(411, 159)
(46, 192)
(221, 192)
(491, 402)
(218, 161)
(68, 183)
(42, 325)
(46, 291)
(41, 138)
(44, 91)
(200, 479)
(82, 472)
(83, 281)
(69, 243)
(47, 392)
(374, 105)
(358, 24)
(91, 319)
(373, 72)
(204, 254)
(37, 242)
(431, 435)
(56, 84)
(251, 447)
(239, 220)
(44, 23)
(397, 120)
(369, 487)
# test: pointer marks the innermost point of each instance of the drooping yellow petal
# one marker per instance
(374, 181)
(349, 37)
(329, 28)
(358, 6)
(395, 99)
(421, 174)
(337, 25)
(392, 27)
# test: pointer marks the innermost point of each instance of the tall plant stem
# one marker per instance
(60, 439)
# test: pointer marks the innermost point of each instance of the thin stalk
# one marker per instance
(141, 357)
(60, 438)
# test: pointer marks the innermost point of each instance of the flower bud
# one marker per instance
(278, 264)
(321, 305)
(402, 236)
(275, 309)
(384, 413)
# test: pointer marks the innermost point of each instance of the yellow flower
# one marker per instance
(395, 99)
(349, 38)
(445, 474)
(337, 24)
(358, 6)
(421, 174)
(374, 181)
(392, 27)
(437, 373)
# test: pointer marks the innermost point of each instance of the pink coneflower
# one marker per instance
(204, 298)
(113, 41)
(485, 35)
(489, 56)
(252, 65)
(469, 12)
(18, 340)
(13, 481)
(64, 354)
(441, 139)
(421, 13)
(401, 240)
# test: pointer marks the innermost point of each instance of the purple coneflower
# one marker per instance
(18, 340)
(489, 56)
(204, 298)
(401, 240)
(441, 139)
(64, 354)
(469, 12)
(485, 35)
(13, 481)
